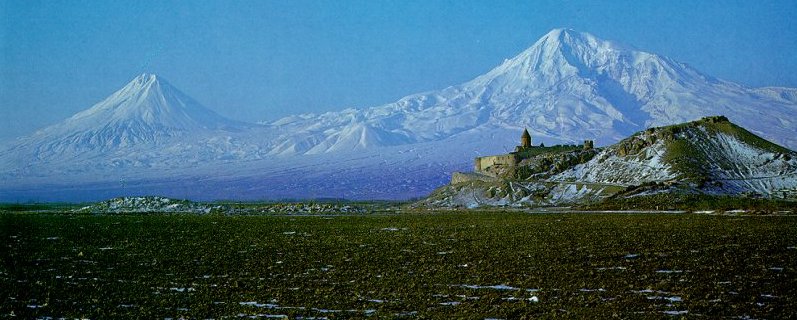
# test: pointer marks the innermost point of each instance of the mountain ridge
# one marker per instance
(565, 89)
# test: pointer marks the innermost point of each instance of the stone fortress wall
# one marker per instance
(505, 160)
(512, 159)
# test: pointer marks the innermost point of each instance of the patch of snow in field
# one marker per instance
(669, 271)
(259, 305)
(610, 268)
(650, 291)
(668, 298)
(531, 299)
(675, 312)
(494, 287)
(262, 315)
(327, 310)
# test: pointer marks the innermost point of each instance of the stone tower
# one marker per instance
(525, 139)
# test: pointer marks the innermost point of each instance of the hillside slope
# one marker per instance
(710, 156)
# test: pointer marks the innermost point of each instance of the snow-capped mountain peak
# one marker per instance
(563, 59)
(146, 110)
(150, 100)
(559, 54)
(567, 87)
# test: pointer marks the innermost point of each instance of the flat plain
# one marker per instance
(474, 265)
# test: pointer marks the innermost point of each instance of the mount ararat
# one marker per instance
(569, 86)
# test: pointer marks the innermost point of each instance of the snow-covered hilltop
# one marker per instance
(567, 87)
(711, 156)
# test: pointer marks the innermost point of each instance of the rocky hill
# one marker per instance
(711, 156)
(148, 204)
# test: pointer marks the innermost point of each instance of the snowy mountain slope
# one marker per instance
(147, 122)
(569, 86)
(711, 156)
(396, 172)
(145, 110)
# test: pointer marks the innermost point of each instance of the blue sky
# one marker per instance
(260, 60)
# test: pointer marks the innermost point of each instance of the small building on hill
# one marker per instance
(523, 151)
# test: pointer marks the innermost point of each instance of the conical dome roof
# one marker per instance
(525, 139)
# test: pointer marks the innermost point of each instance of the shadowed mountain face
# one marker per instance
(567, 87)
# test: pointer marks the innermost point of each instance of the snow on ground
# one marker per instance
(752, 169)
(607, 167)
